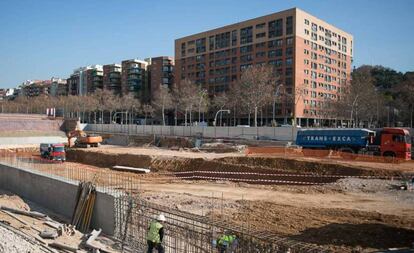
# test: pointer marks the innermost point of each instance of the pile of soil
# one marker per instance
(233, 164)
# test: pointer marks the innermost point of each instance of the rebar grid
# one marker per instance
(184, 232)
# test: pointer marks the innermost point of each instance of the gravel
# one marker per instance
(13, 243)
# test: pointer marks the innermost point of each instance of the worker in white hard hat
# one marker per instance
(156, 234)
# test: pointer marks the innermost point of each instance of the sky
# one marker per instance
(40, 39)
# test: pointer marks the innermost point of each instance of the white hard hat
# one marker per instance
(161, 217)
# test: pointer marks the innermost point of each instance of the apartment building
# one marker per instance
(312, 57)
(36, 88)
(84, 80)
(134, 78)
(58, 87)
(112, 78)
(94, 78)
(161, 72)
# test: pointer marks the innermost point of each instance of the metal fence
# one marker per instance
(184, 232)
(273, 133)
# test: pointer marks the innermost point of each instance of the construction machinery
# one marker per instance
(53, 151)
(83, 140)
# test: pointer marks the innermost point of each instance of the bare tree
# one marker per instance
(257, 85)
(163, 100)
(148, 110)
(188, 98)
(219, 102)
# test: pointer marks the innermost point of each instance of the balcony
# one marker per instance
(135, 71)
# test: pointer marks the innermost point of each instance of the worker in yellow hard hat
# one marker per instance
(156, 234)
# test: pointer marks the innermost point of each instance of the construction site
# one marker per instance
(103, 192)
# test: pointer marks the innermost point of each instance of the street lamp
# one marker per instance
(215, 118)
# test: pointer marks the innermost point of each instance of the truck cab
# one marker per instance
(53, 151)
(395, 142)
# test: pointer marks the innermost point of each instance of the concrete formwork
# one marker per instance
(57, 195)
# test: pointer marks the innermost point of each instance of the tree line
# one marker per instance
(375, 97)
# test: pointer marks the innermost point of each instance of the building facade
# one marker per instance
(58, 87)
(312, 58)
(36, 88)
(134, 78)
(161, 72)
(112, 78)
(94, 78)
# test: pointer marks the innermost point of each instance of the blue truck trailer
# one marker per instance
(389, 142)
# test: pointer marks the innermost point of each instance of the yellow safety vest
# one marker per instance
(154, 232)
(226, 240)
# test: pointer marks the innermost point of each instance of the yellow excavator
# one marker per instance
(83, 140)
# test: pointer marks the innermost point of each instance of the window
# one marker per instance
(306, 22)
(306, 32)
(246, 49)
(275, 28)
(260, 26)
(275, 43)
(275, 53)
(234, 38)
(289, 25)
(246, 35)
(289, 41)
(288, 71)
(260, 45)
(314, 36)
(222, 40)
(289, 61)
(289, 51)
(260, 35)
(201, 45)
(314, 27)
(211, 42)
(260, 54)
(246, 58)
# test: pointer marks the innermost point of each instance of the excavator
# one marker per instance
(83, 140)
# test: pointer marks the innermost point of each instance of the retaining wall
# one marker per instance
(32, 140)
(58, 195)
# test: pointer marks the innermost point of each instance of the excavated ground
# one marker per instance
(176, 161)
(350, 215)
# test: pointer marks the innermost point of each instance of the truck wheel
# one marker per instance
(389, 157)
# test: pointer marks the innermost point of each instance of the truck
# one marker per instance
(53, 151)
(387, 142)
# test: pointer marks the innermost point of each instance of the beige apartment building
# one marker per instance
(312, 57)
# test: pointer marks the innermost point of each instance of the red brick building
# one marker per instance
(309, 55)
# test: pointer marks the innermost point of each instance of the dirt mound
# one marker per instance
(319, 168)
(227, 164)
(108, 160)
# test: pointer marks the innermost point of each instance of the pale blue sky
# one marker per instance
(44, 38)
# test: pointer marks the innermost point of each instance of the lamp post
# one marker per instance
(215, 118)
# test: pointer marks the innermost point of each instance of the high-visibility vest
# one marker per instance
(154, 232)
(226, 240)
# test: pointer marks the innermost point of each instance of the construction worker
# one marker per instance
(156, 234)
(227, 242)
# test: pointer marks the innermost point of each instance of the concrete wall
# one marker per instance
(276, 133)
(33, 140)
(57, 195)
